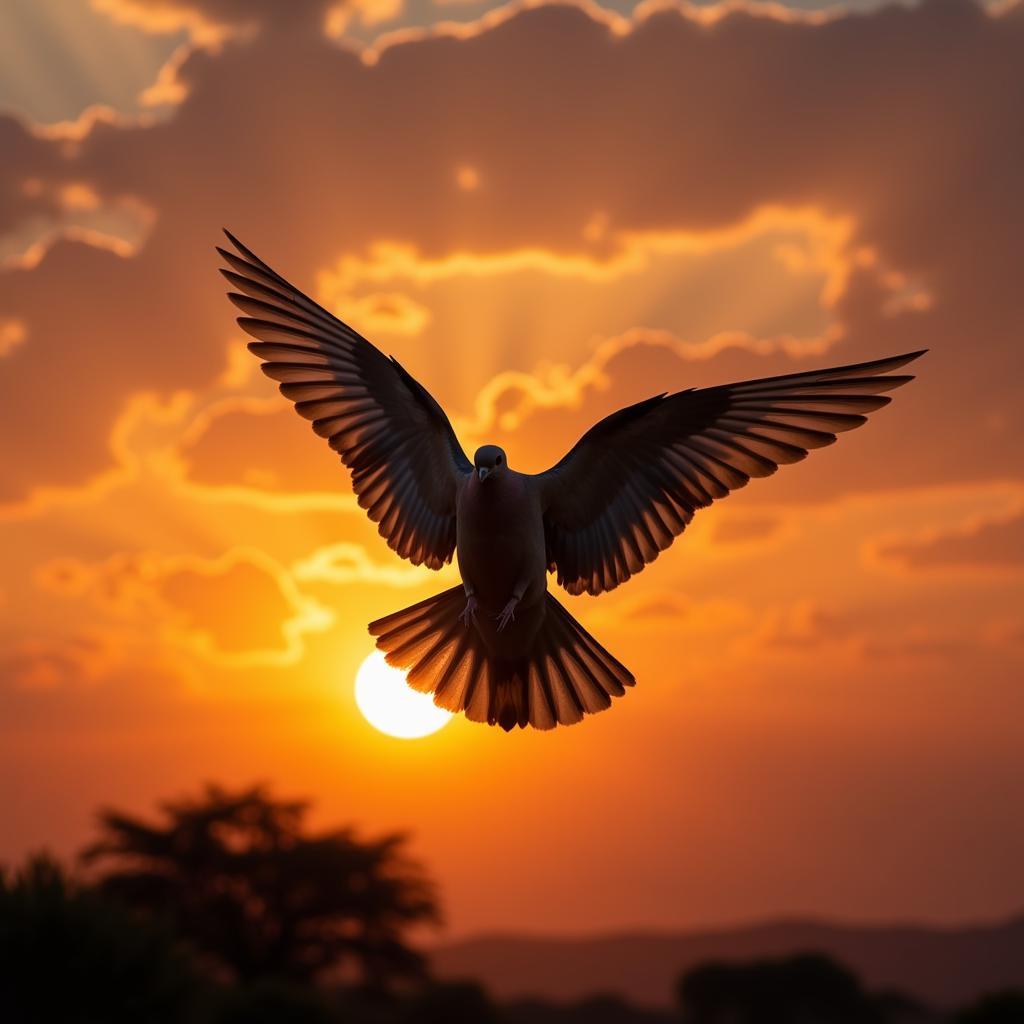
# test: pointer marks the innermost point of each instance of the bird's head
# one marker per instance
(489, 461)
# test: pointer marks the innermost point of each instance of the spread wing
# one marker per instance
(395, 439)
(633, 482)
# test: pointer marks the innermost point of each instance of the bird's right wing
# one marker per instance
(399, 446)
(634, 480)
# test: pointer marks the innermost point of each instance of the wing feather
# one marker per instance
(404, 457)
(633, 482)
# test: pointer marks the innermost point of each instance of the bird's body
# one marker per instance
(500, 549)
(500, 647)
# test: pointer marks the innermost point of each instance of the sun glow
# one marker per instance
(389, 704)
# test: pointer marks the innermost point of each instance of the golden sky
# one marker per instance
(545, 211)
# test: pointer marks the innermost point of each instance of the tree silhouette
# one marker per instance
(67, 955)
(237, 874)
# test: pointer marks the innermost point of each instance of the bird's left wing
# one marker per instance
(395, 439)
(634, 480)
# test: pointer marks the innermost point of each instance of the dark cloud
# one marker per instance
(996, 544)
(804, 626)
(28, 160)
(902, 121)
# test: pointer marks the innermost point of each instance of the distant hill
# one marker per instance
(943, 967)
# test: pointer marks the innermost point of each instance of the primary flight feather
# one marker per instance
(500, 647)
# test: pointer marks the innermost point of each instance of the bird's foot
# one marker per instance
(508, 614)
(469, 612)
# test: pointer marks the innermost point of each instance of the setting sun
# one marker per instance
(388, 703)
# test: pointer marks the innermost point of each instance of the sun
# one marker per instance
(389, 704)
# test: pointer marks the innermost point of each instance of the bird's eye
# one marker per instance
(497, 461)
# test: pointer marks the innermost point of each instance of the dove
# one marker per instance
(500, 647)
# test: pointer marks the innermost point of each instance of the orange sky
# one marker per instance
(544, 214)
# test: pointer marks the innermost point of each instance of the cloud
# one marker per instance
(543, 414)
(889, 140)
(986, 545)
(262, 445)
(28, 159)
(723, 630)
(237, 610)
(240, 610)
(45, 663)
(249, 443)
(744, 529)
(259, 445)
(346, 563)
(918, 643)
(665, 609)
(12, 334)
(803, 626)
(212, 20)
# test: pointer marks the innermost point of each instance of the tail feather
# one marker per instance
(428, 659)
(454, 691)
(566, 675)
(600, 666)
(590, 695)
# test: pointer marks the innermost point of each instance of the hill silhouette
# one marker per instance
(943, 967)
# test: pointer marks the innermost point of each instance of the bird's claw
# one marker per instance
(508, 614)
(469, 612)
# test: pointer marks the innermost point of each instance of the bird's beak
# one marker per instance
(482, 473)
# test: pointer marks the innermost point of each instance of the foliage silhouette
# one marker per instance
(598, 1009)
(450, 1002)
(273, 1002)
(238, 875)
(68, 955)
(228, 911)
(998, 1008)
(803, 989)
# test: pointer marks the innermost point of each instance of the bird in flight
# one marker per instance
(500, 647)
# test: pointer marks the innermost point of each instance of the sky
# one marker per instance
(545, 211)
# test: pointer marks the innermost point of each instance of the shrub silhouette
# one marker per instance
(272, 1002)
(597, 1009)
(450, 1003)
(804, 989)
(68, 955)
(238, 875)
(998, 1008)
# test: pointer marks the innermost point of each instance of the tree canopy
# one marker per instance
(242, 878)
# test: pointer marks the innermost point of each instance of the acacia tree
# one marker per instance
(238, 874)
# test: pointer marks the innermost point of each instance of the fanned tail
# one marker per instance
(566, 675)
